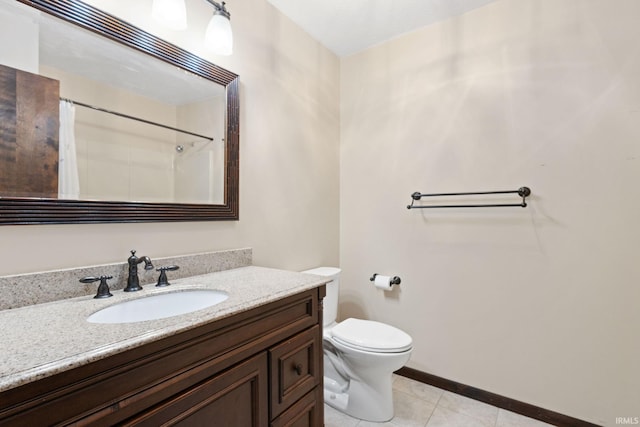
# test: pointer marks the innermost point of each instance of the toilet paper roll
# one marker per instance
(382, 282)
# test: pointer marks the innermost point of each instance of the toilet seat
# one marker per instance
(368, 335)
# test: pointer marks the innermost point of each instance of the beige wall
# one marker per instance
(16, 23)
(289, 148)
(201, 162)
(122, 159)
(118, 158)
(537, 304)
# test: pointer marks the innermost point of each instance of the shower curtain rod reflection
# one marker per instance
(126, 116)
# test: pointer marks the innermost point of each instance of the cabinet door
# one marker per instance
(29, 107)
(237, 397)
(306, 412)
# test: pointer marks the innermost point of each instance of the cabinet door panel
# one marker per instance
(236, 397)
(306, 412)
(29, 132)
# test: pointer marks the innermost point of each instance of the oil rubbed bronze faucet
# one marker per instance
(133, 284)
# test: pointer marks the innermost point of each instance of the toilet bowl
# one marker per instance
(360, 357)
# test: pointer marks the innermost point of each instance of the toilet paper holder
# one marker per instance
(395, 280)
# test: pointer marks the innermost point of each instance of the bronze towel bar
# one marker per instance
(523, 192)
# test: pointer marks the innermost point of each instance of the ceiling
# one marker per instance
(80, 52)
(349, 26)
(71, 49)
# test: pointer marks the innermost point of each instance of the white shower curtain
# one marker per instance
(68, 182)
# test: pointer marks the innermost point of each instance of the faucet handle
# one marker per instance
(162, 280)
(103, 287)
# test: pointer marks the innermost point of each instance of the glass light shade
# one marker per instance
(171, 13)
(219, 36)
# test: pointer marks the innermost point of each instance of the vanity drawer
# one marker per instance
(295, 369)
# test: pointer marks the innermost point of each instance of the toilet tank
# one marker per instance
(330, 302)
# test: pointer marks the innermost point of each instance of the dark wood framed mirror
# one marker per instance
(17, 209)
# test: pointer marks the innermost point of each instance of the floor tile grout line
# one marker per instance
(431, 414)
(440, 397)
(433, 411)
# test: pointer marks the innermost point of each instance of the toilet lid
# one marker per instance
(372, 336)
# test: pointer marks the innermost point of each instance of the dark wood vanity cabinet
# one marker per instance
(261, 367)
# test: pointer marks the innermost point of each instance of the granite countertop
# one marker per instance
(41, 340)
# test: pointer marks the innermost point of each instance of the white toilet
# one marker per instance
(359, 358)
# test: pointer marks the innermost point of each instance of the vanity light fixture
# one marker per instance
(219, 36)
(173, 14)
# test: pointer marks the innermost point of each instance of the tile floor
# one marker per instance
(421, 405)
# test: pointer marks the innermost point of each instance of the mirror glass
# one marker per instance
(142, 130)
(149, 125)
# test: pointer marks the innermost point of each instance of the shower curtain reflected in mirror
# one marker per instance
(68, 182)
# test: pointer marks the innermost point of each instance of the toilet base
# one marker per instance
(336, 400)
(369, 402)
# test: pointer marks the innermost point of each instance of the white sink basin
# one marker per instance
(159, 306)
